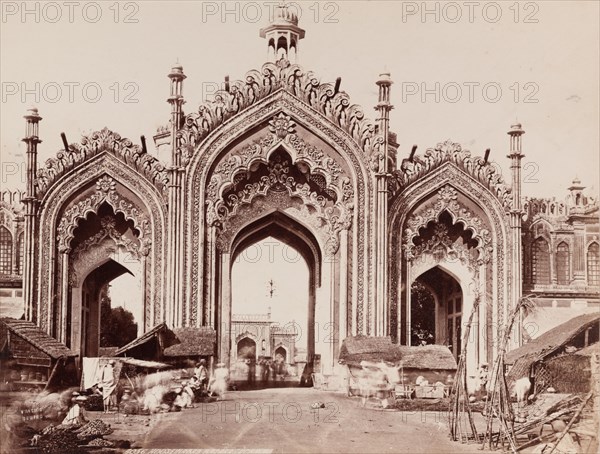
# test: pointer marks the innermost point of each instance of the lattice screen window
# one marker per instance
(563, 265)
(593, 264)
(5, 250)
(540, 262)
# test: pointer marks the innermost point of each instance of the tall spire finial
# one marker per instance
(283, 34)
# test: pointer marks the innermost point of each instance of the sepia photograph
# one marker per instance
(269, 227)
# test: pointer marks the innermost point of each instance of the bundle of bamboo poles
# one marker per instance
(461, 429)
(498, 406)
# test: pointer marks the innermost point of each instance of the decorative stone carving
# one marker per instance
(201, 172)
(441, 247)
(100, 141)
(485, 172)
(105, 192)
(498, 221)
(281, 125)
(105, 243)
(447, 200)
(259, 84)
(333, 215)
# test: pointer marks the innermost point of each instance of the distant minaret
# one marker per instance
(282, 35)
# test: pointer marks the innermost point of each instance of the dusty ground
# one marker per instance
(281, 420)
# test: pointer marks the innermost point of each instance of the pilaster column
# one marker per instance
(30, 201)
(174, 293)
(516, 216)
(224, 325)
(380, 324)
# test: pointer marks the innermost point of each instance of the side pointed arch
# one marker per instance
(134, 195)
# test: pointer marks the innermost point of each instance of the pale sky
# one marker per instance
(554, 61)
(545, 64)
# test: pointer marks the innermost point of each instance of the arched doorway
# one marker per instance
(270, 288)
(279, 246)
(436, 310)
(280, 354)
(104, 247)
(246, 349)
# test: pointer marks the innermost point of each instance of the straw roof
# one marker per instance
(193, 342)
(32, 334)
(146, 337)
(546, 344)
(368, 348)
(432, 357)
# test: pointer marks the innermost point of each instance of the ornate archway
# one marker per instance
(330, 150)
(446, 191)
(104, 170)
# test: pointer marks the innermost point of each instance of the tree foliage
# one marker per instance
(422, 315)
(117, 325)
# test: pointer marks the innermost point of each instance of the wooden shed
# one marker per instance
(31, 359)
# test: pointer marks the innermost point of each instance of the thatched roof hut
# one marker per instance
(192, 342)
(433, 362)
(576, 333)
(368, 348)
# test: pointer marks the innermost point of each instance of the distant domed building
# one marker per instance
(281, 154)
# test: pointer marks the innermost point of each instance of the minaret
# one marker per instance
(282, 35)
(516, 216)
(380, 324)
(576, 206)
(175, 315)
(32, 140)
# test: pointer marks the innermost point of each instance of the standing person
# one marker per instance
(202, 374)
(219, 381)
(108, 383)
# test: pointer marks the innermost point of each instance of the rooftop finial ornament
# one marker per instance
(283, 34)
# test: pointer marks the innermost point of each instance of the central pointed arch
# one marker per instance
(327, 151)
(290, 231)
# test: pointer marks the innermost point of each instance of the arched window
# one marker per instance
(563, 268)
(593, 264)
(540, 266)
(5, 251)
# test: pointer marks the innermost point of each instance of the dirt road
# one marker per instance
(282, 420)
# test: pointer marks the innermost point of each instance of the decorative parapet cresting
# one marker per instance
(487, 173)
(105, 140)
(325, 98)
